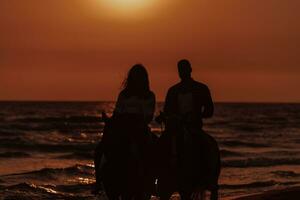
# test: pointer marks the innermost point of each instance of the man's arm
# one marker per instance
(208, 107)
(168, 103)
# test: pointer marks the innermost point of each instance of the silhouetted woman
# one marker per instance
(128, 137)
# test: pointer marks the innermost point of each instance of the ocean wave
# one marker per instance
(297, 141)
(220, 122)
(78, 155)
(286, 174)
(12, 141)
(26, 191)
(252, 154)
(76, 188)
(235, 143)
(8, 133)
(258, 184)
(51, 172)
(260, 162)
(282, 153)
(62, 127)
(247, 127)
(68, 119)
(23, 144)
(227, 153)
(14, 155)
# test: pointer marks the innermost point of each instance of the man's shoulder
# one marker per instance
(196, 85)
(200, 85)
(175, 87)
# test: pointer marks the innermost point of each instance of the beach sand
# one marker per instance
(286, 194)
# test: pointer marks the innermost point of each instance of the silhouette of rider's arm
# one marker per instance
(208, 105)
(170, 107)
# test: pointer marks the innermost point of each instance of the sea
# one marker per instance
(46, 148)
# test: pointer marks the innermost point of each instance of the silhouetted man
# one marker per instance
(187, 103)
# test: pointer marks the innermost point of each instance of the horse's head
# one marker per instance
(105, 118)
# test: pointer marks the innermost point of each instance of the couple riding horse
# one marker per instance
(132, 163)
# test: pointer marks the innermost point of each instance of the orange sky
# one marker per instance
(245, 50)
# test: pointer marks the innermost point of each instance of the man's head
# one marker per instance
(184, 69)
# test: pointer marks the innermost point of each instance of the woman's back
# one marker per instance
(135, 109)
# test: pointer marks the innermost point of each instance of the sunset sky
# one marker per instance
(245, 50)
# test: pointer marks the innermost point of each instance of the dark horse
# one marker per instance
(116, 171)
(196, 167)
(163, 174)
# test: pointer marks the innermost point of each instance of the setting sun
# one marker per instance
(128, 5)
(125, 4)
(126, 8)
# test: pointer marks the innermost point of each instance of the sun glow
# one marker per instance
(128, 4)
(126, 8)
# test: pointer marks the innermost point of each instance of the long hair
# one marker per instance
(137, 81)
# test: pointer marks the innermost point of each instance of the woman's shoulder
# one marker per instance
(122, 95)
(150, 95)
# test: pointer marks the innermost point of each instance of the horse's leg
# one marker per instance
(214, 195)
(112, 196)
(202, 195)
(112, 190)
(215, 189)
(215, 166)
